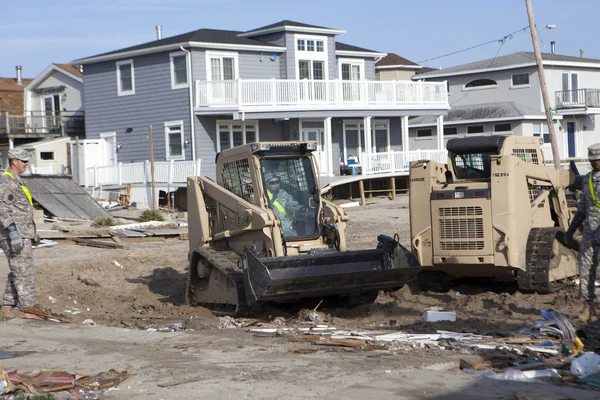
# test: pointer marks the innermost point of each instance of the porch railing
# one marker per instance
(40, 122)
(578, 98)
(140, 172)
(397, 161)
(281, 93)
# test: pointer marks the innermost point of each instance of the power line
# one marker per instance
(501, 40)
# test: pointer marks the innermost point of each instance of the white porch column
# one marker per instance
(405, 139)
(329, 144)
(440, 132)
(368, 138)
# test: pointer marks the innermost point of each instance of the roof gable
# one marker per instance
(394, 60)
(287, 25)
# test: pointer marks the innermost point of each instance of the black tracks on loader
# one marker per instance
(539, 256)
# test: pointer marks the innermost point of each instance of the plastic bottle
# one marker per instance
(586, 364)
(3, 385)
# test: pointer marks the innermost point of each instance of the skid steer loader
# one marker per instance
(249, 244)
(494, 210)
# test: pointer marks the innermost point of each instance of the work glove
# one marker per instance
(575, 223)
(15, 242)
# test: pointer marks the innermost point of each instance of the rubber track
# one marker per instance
(226, 262)
(538, 258)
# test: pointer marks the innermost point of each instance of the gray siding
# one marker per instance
(277, 39)
(153, 103)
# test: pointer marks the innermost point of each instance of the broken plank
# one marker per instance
(144, 239)
(98, 243)
(182, 382)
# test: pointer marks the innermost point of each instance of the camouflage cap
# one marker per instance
(19, 154)
(594, 152)
(270, 176)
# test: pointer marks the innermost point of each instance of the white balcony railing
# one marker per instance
(578, 98)
(397, 161)
(140, 172)
(319, 94)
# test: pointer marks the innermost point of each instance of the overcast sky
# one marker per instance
(36, 33)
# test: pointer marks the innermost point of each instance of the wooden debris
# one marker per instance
(98, 243)
(182, 382)
(305, 351)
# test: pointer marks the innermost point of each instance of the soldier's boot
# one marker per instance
(6, 313)
(588, 313)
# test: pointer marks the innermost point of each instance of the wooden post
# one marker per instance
(152, 170)
(77, 163)
(393, 186)
(540, 65)
(361, 188)
(370, 188)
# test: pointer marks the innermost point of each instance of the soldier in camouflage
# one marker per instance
(283, 204)
(588, 214)
(17, 231)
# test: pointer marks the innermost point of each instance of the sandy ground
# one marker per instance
(128, 291)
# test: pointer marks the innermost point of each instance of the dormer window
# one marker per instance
(310, 45)
(481, 83)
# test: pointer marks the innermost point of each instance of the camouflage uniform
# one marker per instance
(588, 214)
(16, 207)
(284, 205)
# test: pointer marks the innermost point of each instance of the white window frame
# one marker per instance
(484, 87)
(475, 133)
(430, 136)
(221, 55)
(121, 92)
(175, 85)
(450, 134)
(230, 124)
(537, 130)
(352, 61)
(361, 132)
(524, 85)
(503, 123)
(312, 55)
(170, 124)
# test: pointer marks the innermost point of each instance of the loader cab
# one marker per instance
(470, 159)
(292, 191)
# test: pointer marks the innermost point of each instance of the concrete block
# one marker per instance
(433, 316)
(38, 216)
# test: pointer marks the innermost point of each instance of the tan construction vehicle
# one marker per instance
(494, 210)
(263, 233)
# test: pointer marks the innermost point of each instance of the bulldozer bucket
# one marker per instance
(320, 274)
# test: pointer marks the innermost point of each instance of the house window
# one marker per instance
(450, 131)
(503, 127)
(222, 66)
(311, 69)
(353, 134)
(46, 155)
(381, 136)
(475, 129)
(125, 78)
(570, 85)
(178, 70)
(421, 133)
(520, 79)
(235, 133)
(478, 83)
(312, 57)
(351, 70)
(174, 140)
(541, 130)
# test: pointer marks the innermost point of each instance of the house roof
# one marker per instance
(11, 94)
(287, 25)
(487, 111)
(394, 60)
(339, 46)
(69, 68)
(519, 59)
(200, 35)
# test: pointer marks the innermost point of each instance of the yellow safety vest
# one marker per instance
(276, 204)
(25, 190)
(593, 192)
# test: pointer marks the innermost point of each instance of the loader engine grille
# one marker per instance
(527, 155)
(236, 179)
(461, 233)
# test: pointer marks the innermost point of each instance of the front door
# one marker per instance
(50, 115)
(571, 139)
(318, 135)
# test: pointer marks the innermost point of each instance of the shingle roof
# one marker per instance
(10, 85)
(348, 47)
(69, 68)
(393, 59)
(508, 60)
(11, 94)
(200, 35)
(493, 111)
(286, 22)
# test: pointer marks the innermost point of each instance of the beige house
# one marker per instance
(395, 68)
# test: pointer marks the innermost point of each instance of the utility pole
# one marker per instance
(540, 66)
(152, 170)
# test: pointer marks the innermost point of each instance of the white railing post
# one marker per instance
(120, 172)
(238, 85)
(145, 171)
(273, 92)
(95, 175)
(393, 161)
(171, 167)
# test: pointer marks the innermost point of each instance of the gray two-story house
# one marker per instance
(208, 90)
(503, 96)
